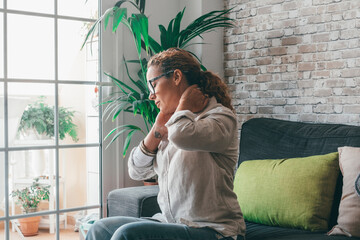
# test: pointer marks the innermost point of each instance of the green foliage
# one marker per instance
(135, 99)
(40, 117)
(30, 197)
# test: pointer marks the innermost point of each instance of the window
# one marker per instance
(49, 113)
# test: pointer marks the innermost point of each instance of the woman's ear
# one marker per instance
(178, 76)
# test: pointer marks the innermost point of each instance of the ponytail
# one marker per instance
(212, 85)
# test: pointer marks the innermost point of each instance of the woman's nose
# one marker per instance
(152, 96)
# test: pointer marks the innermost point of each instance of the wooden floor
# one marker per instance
(65, 234)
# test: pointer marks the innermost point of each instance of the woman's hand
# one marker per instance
(193, 100)
(158, 132)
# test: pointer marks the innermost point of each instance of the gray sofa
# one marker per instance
(261, 138)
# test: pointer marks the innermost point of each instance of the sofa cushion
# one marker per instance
(349, 210)
(265, 138)
(295, 192)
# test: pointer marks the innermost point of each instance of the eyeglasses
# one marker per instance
(151, 86)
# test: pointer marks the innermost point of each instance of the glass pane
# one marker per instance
(78, 103)
(78, 221)
(30, 47)
(1, 45)
(1, 3)
(41, 6)
(46, 228)
(2, 136)
(25, 167)
(82, 176)
(85, 9)
(2, 185)
(2, 230)
(31, 114)
(76, 63)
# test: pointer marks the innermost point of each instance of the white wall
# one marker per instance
(115, 46)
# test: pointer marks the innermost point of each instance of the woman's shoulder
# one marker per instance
(215, 108)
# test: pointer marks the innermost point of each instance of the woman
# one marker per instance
(193, 149)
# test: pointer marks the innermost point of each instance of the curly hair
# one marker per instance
(209, 83)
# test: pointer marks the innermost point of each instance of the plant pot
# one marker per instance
(150, 182)
(29, 226)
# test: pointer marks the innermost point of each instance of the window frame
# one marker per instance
(57, 146)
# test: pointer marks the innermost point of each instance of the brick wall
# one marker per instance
(297, 60)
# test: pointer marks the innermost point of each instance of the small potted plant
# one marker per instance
(29, 199)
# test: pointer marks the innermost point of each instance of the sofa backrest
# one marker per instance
(264, 138)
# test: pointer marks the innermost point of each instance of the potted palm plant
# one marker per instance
(134, 99)
(29, 199)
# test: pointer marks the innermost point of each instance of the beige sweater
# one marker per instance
(195, 169)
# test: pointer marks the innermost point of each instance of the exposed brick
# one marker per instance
(348, 73)
(352, 109)
(273, 69)
(323, 37)
(307, 48)
(277, 85)
(251, 71)
(335, 64)
(308, 11)
(275, 34)
(264, 10)
(306, 66)
(354, 53)
(320, 74)
(338, 45)
(262, 44)
(230, 72)
(265, 110)
(293, 109)
(263, 61)
(263, 78)
(322, 47)
(277, 51)
(325, 92)
(349, 33)
(306, 84)
(291, 59)
(294, 60)
(291, 41)
(323, 109)
(290, 6)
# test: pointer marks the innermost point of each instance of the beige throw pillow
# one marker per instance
(349, 209)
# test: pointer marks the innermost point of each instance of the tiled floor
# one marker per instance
(65, 234)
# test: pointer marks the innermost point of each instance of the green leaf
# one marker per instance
(119, 14)
(163, 37)
(107, 17)
(135, 93)
(140, 85)
(139, 26)
(142, 6)
(127, 142)
(136, 29)
(154, 46)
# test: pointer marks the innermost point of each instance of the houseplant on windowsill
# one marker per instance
(38, 120)
(29, 199)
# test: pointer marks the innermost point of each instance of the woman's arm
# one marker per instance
(214, 132)
(141, 158)
(157, 133)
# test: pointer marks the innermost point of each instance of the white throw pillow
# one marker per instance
(349, 209)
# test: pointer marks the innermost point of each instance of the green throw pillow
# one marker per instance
(294, 192)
